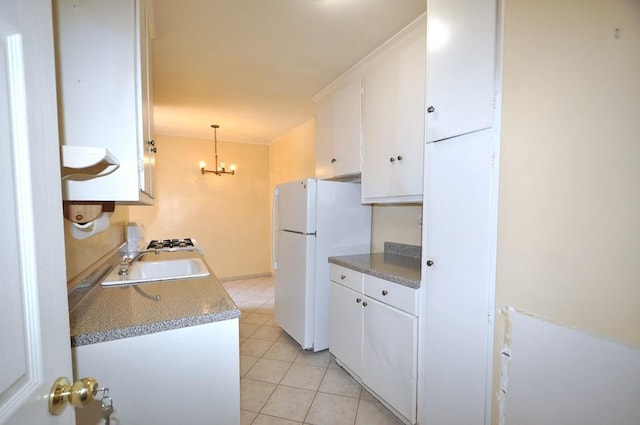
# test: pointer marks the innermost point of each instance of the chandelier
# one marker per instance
(219, 169)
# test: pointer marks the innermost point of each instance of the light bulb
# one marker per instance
(233, 167)
(222, 165)
(203, 164)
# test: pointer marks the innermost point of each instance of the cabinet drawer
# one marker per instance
(346, 277)
(393, 294)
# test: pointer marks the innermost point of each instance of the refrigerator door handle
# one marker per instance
(299, 233)
(274, 229)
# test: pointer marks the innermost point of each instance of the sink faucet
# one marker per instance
(127, 261)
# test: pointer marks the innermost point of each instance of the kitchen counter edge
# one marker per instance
(401, 269)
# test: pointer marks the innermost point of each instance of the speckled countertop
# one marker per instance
(113, 312)
(399, 263)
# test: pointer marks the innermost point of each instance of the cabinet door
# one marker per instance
(202, 356)
(345, 326)
(338, 132)
(459, 217)
(460, 67)
(393, 121)
(101, 93)
(147, 147)
(389, 356)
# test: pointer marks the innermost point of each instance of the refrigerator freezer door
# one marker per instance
(296, 208)
(295, 283)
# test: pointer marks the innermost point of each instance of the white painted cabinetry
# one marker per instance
(345, 333)
(393, 119)
(456, 323)
(182, 376)
(338, 131)
(373, 334)
(105, 100)
(461, 65)
(345, 316)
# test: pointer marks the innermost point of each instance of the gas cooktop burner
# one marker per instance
(171, 243)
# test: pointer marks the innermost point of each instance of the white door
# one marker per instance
(456, 319)
(389, 355)
(393, 121)
(460, 67)
(338, 132)
(147, 146)
(34, 323)
(294, 286)
(345, 326)
(294, 206)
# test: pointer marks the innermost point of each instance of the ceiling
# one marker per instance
(252, 66)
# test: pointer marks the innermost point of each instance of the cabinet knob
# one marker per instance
(399, 157)
(384, 292)
(392, 159)
(333, 160)
(364, 304)
(154, 150)
(342, 276)
(430, 263)
(358, 300)
(431, 109)
(151, 142)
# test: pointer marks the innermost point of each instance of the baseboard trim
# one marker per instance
(246, 276)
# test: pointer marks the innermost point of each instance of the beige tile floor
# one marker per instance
(281, 384)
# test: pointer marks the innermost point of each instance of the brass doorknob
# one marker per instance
(79, 394)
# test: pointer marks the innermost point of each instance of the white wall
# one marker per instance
(228, 215)
(568, 244)
(555, 375)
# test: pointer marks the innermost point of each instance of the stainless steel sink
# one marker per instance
(154, 271)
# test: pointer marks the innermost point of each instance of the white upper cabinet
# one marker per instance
(104, 89)
(147, 148)
(393, 119)
(460, 67)
(338, 131)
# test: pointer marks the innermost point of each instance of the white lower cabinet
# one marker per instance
(389, 355)
(374, 339)
(181, 376)
(345, 332)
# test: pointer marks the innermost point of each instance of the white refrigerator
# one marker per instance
(313, 220)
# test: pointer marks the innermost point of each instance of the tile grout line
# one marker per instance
(266, 308)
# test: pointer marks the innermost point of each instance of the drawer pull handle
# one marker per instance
(358, 300)
(385, 292)
(342, 276)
